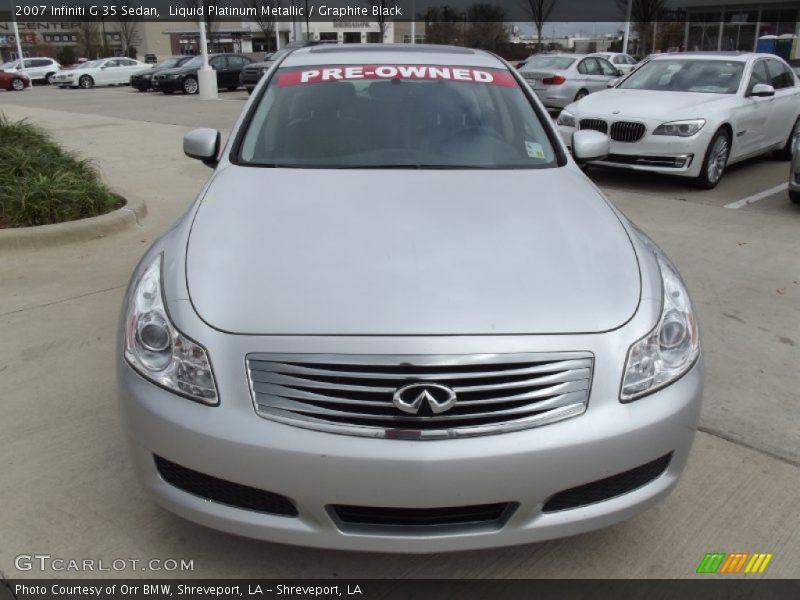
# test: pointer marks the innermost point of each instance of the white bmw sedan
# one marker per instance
(693, 114)
(106, 71)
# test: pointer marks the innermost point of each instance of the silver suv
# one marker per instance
(399, 318)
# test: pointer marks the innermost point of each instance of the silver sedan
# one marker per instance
(560, 79)
(399, 318)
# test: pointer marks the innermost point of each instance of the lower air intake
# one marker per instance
(224, 492)
(610, 487)
(491, 516)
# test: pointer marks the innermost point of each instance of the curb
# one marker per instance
(81, 230)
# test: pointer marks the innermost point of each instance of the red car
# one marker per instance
(13, 81)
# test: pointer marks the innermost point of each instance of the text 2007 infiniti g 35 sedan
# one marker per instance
(399, 318)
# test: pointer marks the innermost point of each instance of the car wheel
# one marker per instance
(785, 153)
(86, 82)
(581, 94)
(50, 78)
(794, 196)
(233, 89)
(715, 161)
(17, 85)
(190, 85)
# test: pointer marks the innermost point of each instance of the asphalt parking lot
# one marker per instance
(68, 488)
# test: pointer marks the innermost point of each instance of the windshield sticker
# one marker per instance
(534, 150)
(434, 73)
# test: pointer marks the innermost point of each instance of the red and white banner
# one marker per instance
(426, 72)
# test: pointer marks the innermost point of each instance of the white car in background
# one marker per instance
(624, 63)
(38, 70)
(106, 71)
(693, 114)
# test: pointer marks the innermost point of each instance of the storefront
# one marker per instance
(772, 27)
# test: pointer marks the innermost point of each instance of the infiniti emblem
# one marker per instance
(411, 398)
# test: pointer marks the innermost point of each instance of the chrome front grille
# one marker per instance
(354, 394)
(596, 124)
(627, 131)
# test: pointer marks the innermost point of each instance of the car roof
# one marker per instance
(729, 56)
(327, 54)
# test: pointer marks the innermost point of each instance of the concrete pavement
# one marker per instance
(68, 487)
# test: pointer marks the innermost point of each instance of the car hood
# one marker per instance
(369, 252)
(177, 71)
(646, 104)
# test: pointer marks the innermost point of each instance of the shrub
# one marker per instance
(66, 56)
(41, 183)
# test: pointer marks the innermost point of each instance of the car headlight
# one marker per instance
(157, 350)
(680, 128)
(670, 349)
(567, 119)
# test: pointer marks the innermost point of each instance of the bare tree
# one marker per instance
(204, 4)
(540, 11)
(382, 7)
(265, 22)
(443, 25)
(644, 13)
(88, 38)
(128, 33)
(487, 29)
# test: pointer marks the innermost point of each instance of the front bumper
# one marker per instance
(171, 85)
(316, 470)
(139, 83)
(654, 153)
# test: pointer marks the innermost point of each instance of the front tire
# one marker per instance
(86, 82)
(715, 161)
(785, 153)
(17, 85)
(190, 85)
(581, 94)
(50, 78)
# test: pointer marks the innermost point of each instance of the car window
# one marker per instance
(128, 62)
(759, 75)
(619, 60)
(112, 63)
(217, 63)
(686, 75)
(607, 68)
(547, 62)
(395, 116)
(236, 62)
(780, 76)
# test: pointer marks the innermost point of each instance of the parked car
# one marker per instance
(143, 80)
(150, 59)
(692, 115)
(794, 172)
(252, 73)
(428, 368)
(184, 78)
(38, 70)
(559, 79)
(14, 80)
(624, 63)
(106, 71)
(795, 65)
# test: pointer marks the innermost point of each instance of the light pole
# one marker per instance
(206, 77)
(413, 24)
(19, 44)
(627, 27)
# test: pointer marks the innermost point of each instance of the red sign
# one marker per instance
(323, 74)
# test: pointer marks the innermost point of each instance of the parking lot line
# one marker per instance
(758, 196)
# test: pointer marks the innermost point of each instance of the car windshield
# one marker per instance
(547, 62)
(687, 75)
(168, 63)
(395, 116)
(194, 62)
(89, 64)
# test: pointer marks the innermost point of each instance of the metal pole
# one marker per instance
(19, 44)
(277, 35)
(413, 24)
(206, 77)
(627, 27)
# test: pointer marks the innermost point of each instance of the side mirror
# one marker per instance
(613, 82)
(202, 144)
(588, 144)
(762, 90)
